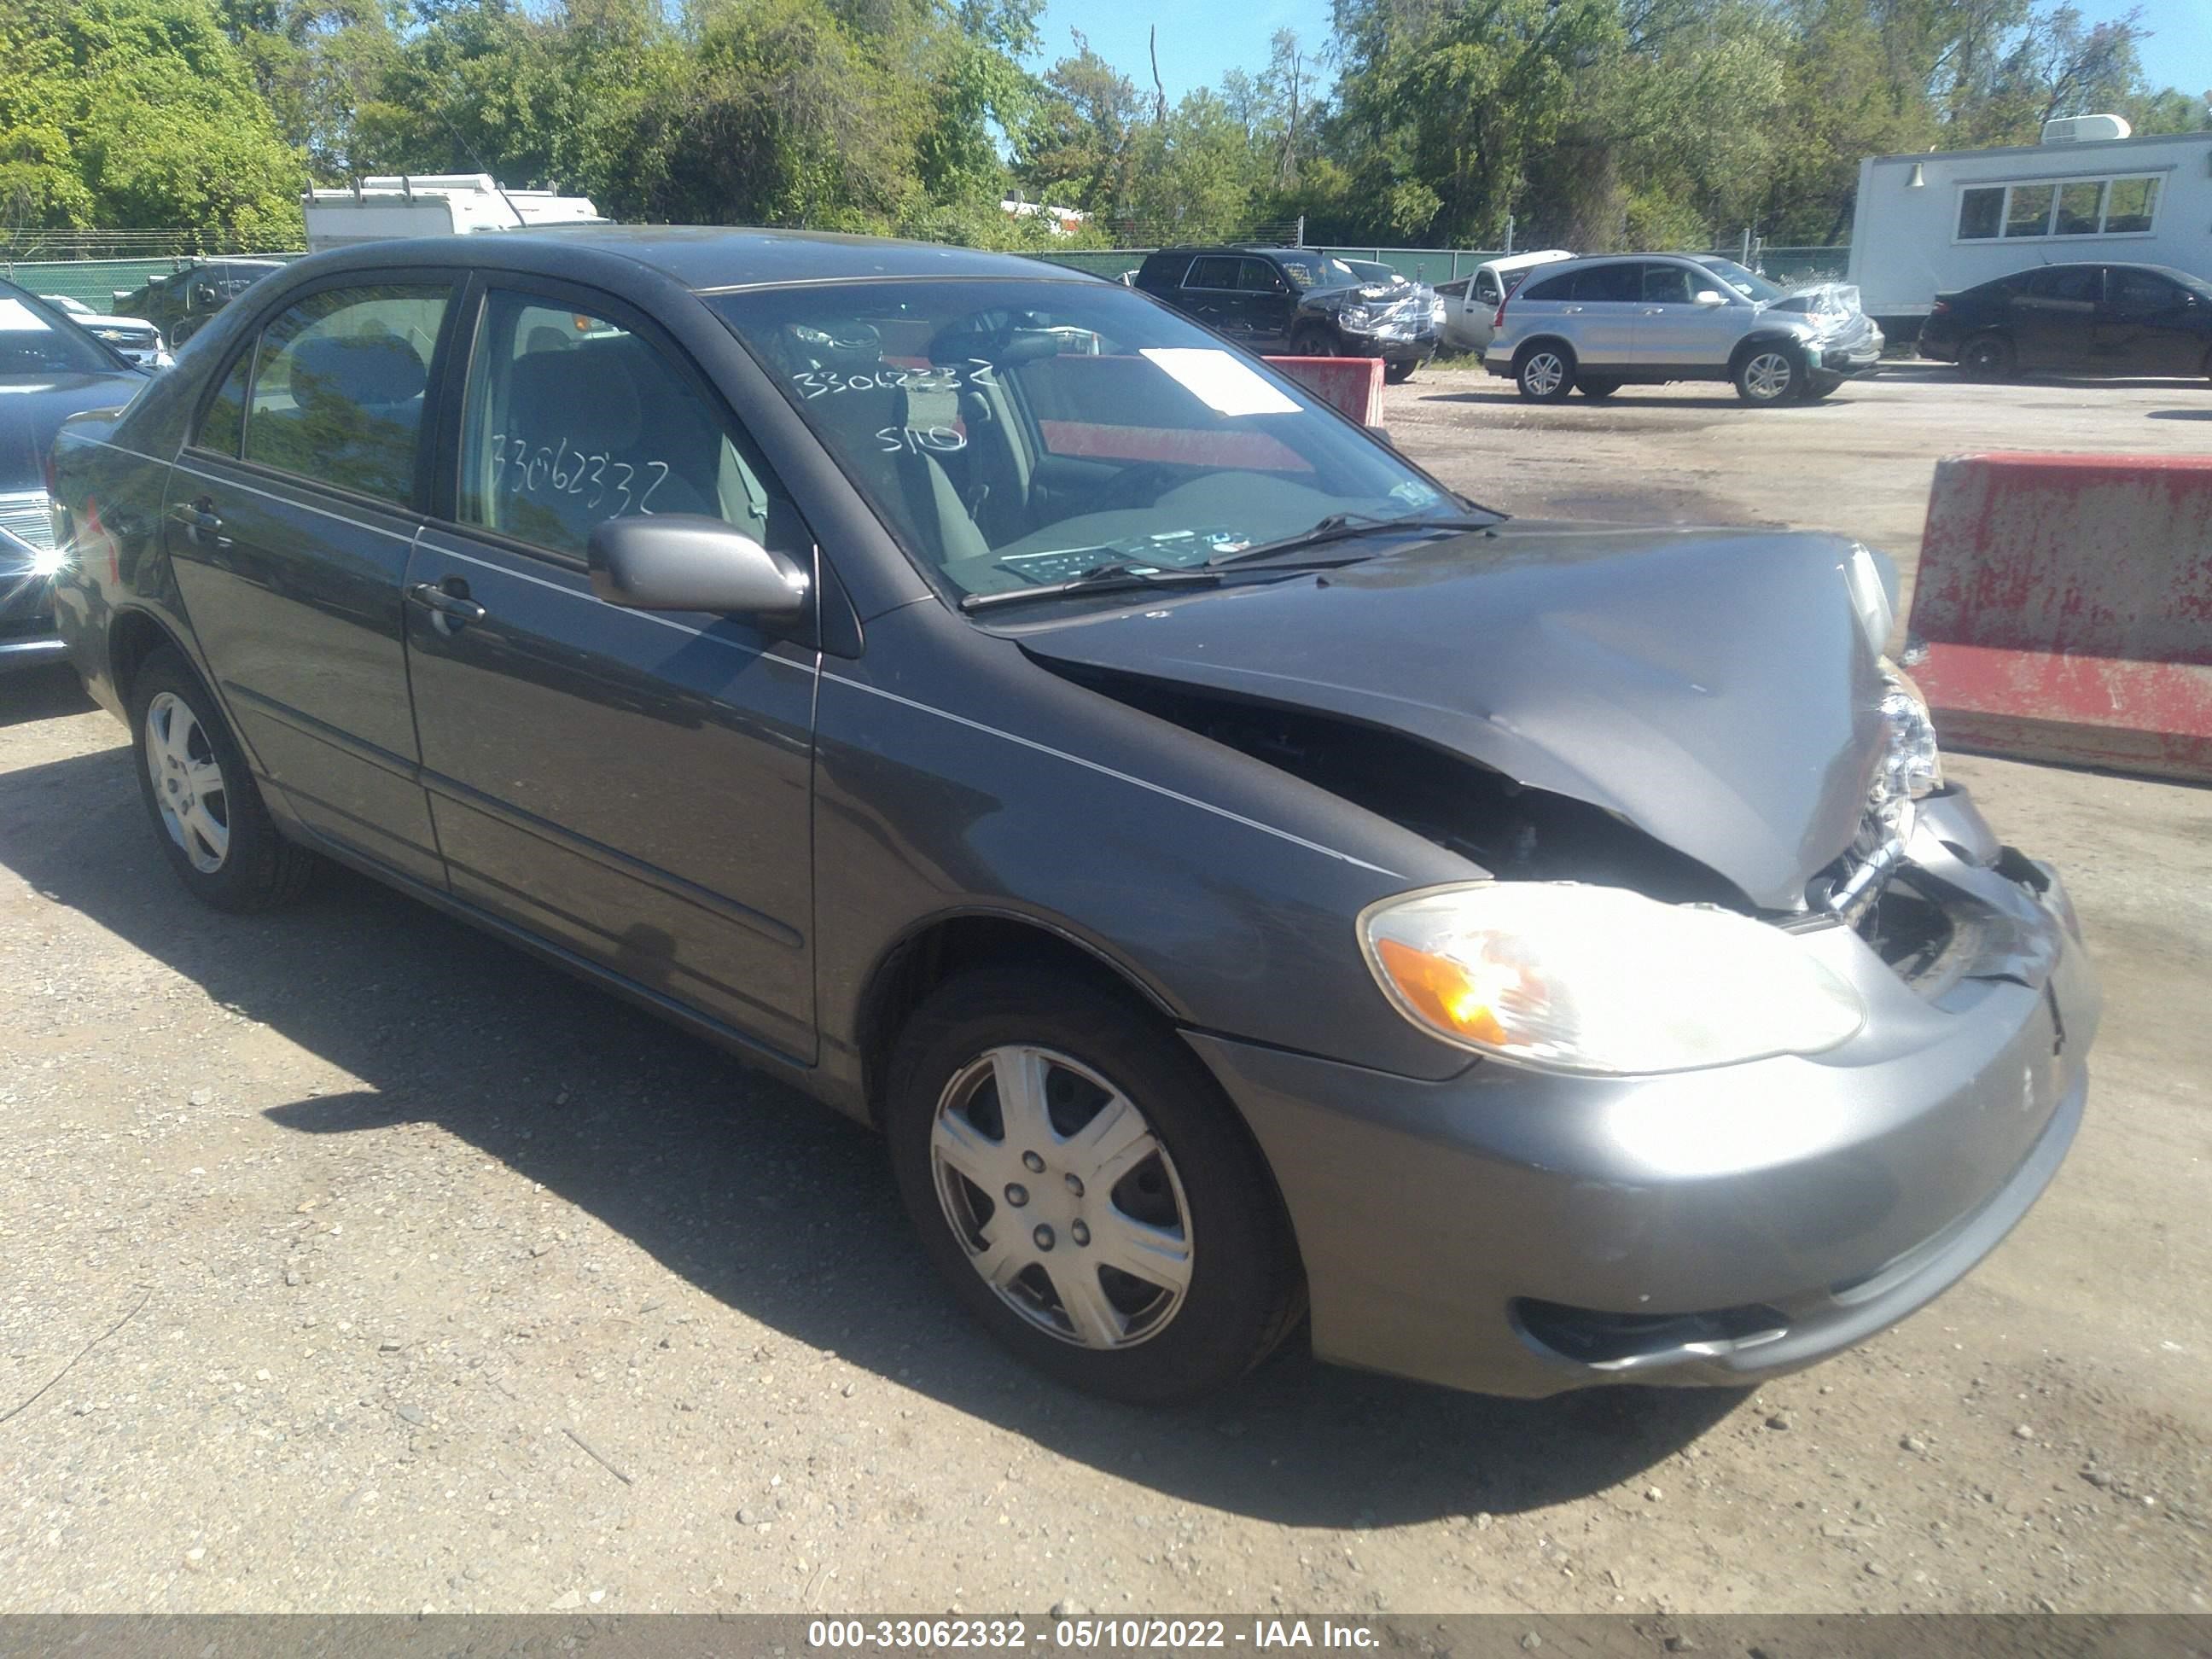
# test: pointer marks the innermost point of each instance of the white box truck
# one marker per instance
(1951, 219)
(433, 205)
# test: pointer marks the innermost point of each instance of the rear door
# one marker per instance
(634, 786)
(2054, 317)
(2149, 325)
(1601, 318)
(1268, 305)
(1210, 293)
(290, 515)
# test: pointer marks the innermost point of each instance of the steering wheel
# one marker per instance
(1139, 486)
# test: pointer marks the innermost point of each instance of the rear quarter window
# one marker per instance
(1551, 288)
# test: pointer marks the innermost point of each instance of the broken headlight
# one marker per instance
(1911, 764)
(1572, 978)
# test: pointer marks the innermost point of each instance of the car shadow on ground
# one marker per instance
(44, 693)
(2177, 415)
(772, 1205)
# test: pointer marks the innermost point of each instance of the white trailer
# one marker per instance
(433, 205)
(1951, 219)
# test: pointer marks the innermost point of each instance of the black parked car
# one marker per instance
(2078, 319)
(1297, 302)
(1234, 874)
(181, 303)
(49, 369)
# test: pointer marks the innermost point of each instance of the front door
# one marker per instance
(2149, 325)
(634, 786)
(290, 516)
(1673, 331)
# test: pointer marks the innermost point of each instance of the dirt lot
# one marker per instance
(446, 1283)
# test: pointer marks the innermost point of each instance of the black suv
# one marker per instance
(2081, 318)
(180, 303)
(1296, 301)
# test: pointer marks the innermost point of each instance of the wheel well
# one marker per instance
(1521, 352)
(918, 965)
(1755, 341)
(134, 637)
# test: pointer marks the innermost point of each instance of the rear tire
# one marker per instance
(1544, 372)
(1988, 357)
(1597, 388)
(1021, 1214)
(206, 812)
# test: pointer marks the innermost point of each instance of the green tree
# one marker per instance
(139, 112)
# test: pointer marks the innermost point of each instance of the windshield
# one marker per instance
(1015, 434)
(31, 344)
(1749, 283)
(1317, 270)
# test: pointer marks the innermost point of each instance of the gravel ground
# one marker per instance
(416, 1275)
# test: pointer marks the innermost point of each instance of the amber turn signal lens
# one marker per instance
(1448, 992)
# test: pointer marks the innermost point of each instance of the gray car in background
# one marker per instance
(1236, 876)
(1596, 325)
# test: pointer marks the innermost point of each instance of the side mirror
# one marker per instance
(1707, 296)
(687, 562)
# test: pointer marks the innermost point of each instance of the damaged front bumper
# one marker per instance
(1522, 1233)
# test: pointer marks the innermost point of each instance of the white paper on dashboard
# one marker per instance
(1219, 381)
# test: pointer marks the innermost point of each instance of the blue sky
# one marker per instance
(1199, 42)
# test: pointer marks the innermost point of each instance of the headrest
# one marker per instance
(378, 369)
(587, 388)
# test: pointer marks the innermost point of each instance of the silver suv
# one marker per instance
(1601, 324)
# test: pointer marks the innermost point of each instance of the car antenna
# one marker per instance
(455, 132)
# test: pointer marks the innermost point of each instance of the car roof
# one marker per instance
(707, 257)
(1524, 261)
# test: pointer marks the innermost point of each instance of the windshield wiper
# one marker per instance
(1342, 526)
(1101, 578)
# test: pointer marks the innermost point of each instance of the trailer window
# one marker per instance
(2057, 207)
(2029, 211)
(1980, 213)
(2134, 203)
(2080, 207)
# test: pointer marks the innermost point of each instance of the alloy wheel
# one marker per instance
(1543, 373)
(1067, 1202)
(1767, 376)
(188, 783)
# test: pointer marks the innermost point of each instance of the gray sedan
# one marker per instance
(1241, 880)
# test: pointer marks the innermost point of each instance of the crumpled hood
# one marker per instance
(1711, 687)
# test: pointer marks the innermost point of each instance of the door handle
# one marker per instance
(1655, 311)
(1571, 311)
(200, 519)
(448, 604)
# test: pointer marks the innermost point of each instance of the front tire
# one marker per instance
(1399, 373)
(1084, 1189)
(1770, 374)
(206, 812)
(1314, 341)
(1545, 373)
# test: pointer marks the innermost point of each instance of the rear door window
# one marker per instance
(1213, 272)
(570, 420)
(1620, 283)
(340, 384)
(2066, 284)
